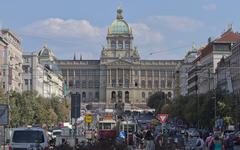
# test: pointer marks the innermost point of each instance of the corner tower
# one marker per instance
(119, 41)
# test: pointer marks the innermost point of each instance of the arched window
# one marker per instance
(120, 44)
(113, 44)
(113, 97)
(127, 97)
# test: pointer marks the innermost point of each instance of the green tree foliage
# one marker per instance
(29, 108)
(200, 109)
(156, 101)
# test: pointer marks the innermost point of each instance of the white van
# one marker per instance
(28, 138)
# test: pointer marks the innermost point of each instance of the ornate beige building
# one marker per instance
(10, 61)
(119, 75)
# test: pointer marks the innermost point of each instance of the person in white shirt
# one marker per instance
(199, 143)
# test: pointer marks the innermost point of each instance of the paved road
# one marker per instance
(237, 147)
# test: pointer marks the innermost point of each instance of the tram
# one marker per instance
(107, 129)
(129, 127)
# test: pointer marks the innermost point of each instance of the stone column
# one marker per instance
(123, 78)
(130, 77)
(139, 78)
(117, 76)
(153, 79)
(110, 77)
(116, 44)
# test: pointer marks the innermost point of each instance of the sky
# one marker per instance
(162, 30)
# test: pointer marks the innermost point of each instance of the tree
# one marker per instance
(156, 101)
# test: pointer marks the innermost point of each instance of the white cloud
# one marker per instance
(210, 7)
(68, 36)
(146, 39)
(144, 34)
(178, 23)
(56, 27)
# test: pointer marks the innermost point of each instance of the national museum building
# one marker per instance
(120, 74)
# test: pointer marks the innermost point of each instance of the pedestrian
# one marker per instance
(216, 143)
(209, 140)
(228, 142)
(199, 143)
(149, 141)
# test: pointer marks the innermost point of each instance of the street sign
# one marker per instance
(88, 118)
(162, 117)
(75, 105)
(4, 114)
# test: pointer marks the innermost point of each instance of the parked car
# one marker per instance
(28, 138)
(56, 132)
(237, 138)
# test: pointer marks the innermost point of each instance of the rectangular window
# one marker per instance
(26, 82)
(4, 72)
(25, 69)
(97, 84)
(169, 74)
(4, 86)
(149, 83)
(26, 60)
(90, 84)
(162, 83)
(162, 74)
(77, 84)
(143, 84)
(149, 73)
(156, 83)
(156, 73)
(77, 72)
(70, 83)
(84, 84)
(136, 72)
(84, 72)
(143, 73)
(169, 83)
(113, 83)
(70, 72)
(64, 72)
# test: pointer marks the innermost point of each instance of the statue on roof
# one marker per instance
(119, 13)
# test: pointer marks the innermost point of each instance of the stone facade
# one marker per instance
(11, 61)
(39, 74)
(119, 75)
(202, 75)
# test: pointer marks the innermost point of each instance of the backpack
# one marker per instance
(198, 143)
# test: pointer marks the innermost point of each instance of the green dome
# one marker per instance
(119, 26)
